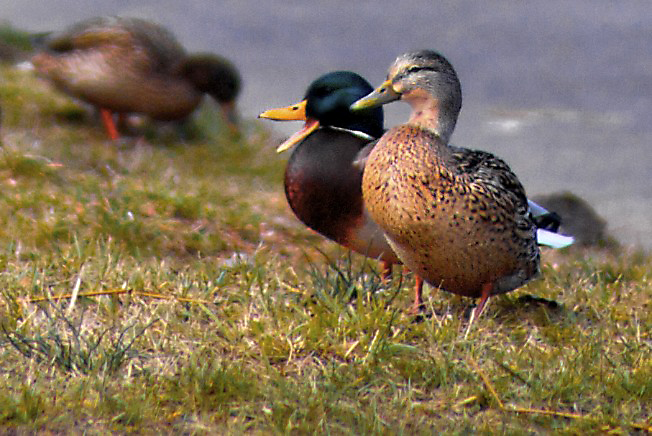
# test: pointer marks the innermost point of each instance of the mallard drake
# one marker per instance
(130, 65)
(459, 218)
(322, 182)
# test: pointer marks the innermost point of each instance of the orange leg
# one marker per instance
(417, 306)
(109, 125)
(385, 270)
(486, 293)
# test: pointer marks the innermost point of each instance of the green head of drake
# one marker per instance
(326, 103)
(329, 97)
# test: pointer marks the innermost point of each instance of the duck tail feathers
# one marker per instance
(543, 218)
(552, 239)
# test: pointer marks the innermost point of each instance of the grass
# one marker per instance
(163, 286)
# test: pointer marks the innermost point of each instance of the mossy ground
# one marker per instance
(161, 285)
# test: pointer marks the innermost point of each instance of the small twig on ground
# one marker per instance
(113, 292)
(510, 408)
(487, 383)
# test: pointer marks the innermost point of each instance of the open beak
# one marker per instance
(295, 112)
(383, 94)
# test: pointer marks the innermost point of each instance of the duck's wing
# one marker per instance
(553, 240)
(155, 47)
(548, 223)
(361, 158)
(91, 33)
(543, 218)
(492, 176)
(162, 46)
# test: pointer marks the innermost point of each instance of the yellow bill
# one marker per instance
(383, 94)
(295, 112)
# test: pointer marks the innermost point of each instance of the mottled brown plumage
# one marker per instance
(457, 217)
(127, 65)
(453, 225)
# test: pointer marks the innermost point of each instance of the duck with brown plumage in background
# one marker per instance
(130, 65)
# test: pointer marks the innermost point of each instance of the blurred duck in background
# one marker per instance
(130, 65)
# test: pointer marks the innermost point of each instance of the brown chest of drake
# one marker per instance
(324, 191)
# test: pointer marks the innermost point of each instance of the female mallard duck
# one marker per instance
(128, 65)
(459, 218)
(322, 182)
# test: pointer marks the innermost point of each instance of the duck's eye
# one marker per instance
(416, 69)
